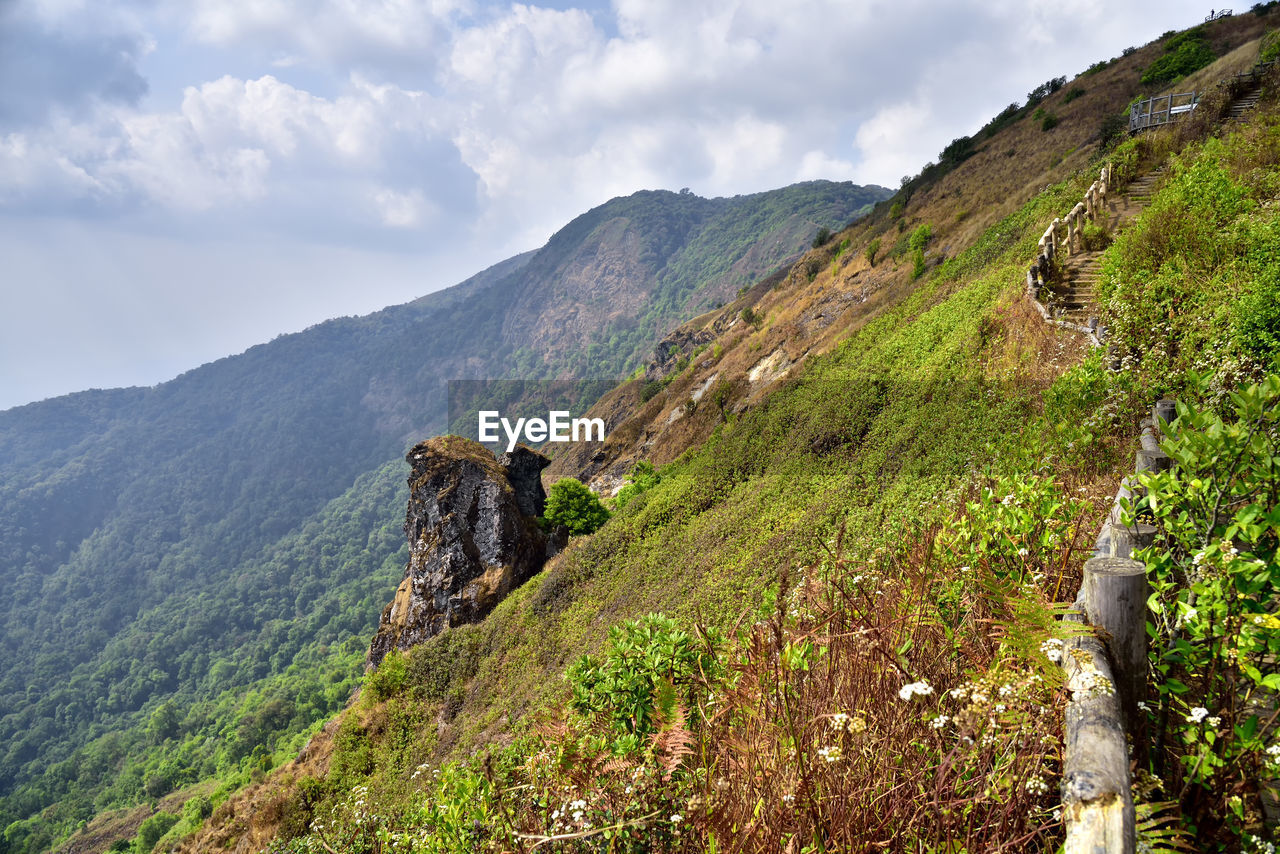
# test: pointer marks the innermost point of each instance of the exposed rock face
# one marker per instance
(472, 536)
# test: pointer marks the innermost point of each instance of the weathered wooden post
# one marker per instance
(1115, 600)
(1126, 539)
(1152, 461)
(1165, 411)
(1096, 799)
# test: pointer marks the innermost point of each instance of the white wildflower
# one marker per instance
(831, 754)
(913, 688)
(1052, 648)
(940, 721)
(1198, 714)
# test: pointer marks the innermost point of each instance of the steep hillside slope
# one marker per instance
(153, 542)
(876, 475)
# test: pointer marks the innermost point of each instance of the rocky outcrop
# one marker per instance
(473, 538)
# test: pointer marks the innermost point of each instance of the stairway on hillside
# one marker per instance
(1075, 299)
(1245, 102)
(1140, 190)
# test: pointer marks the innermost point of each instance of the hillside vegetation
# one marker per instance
(827, 619)
(182, 567)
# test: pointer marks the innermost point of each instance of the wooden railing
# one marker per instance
(1160, 110)
(1063, 237)
(1107, 673)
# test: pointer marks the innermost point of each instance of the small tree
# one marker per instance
(571, 504)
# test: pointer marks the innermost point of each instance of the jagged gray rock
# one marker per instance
(473, 538)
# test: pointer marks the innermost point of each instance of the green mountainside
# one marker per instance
(181, 550)
(825, 613)
(828, 614)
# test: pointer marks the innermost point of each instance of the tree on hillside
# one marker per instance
(573, 505)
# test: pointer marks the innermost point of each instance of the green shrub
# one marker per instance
(1269, 50)
(1215, 581)
(645, 658)
(872, 248)
(197, 809)
(1257, 313)
(1112, 129)
(1049, 122)
(642, 477)
(1044, 90)
(1184, 54)
(897, 209)
(151, 830)
(812, 266)
(388, 679)
(1072, 93)
(921, 236)
(822, 237)
(571, 504)
(917, 264)
(1095, 237)
(649, 389)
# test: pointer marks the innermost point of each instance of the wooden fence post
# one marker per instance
(1096, 800)
(1126, 539)
(1115, 600)
(1152, 461)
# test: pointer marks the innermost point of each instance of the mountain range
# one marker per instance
(179, 547)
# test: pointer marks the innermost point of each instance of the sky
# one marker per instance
(182, 180)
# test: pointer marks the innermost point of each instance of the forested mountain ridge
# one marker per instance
(182, 542)
(852, 489)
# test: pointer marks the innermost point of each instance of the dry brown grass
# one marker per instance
(815, 742)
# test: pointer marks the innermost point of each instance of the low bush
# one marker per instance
(1184, 54)
(1215, 577)
(573, 505)
(642, 477)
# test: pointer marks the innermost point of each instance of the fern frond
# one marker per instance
(671, 744)
(1159, 829)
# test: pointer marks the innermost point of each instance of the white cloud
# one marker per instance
(819, 164)
(468, 130)
(400, 210)
(323, 32)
